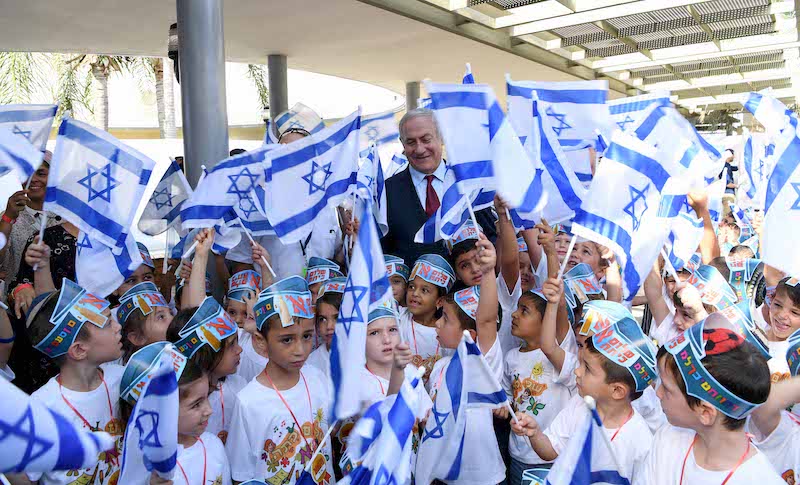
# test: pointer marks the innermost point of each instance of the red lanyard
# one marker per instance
(730, 474)
(222, 404)
(204, 464)
(793, 417)
(623, 424)
(377, 379)
(108, 396)
(414, 334)
(310, 411)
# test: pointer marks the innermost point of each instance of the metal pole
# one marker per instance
(412, 95)
(277, 71)
(202, 65)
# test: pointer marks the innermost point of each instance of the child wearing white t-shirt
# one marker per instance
(327, 312)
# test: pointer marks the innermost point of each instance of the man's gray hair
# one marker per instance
(418, 113)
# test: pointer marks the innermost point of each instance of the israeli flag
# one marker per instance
(96, 182)
(467, 382)
(30, 121)
(379, 129)
(770, 112)
(17, 155)
(576, 110)
(587, 458)
(227, 233)
(716, 190)
(269, 134)
(453, 212)
(299, 116)
(36, 439)
(371, 184)
(151, 437)
(163, 209)
(468, 77)
(782, 206)
(483, 150)
(757, 161)
(367, 287)
(684, 238)
(254, 218)
(424, 103)
(580, 161)
(227, 185)
(399, 163)
(621, 209)
(313, 173)
(626, 113)
(98, 270)
(381, 438)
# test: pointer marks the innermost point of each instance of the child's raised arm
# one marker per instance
(507, 245)
(652, 291)
(527, 426)
(553, 290)
(38, 256)
(402, 357)
(781, 396)
(195, 290)
(709, 246)
(547, 240)
(486, 316)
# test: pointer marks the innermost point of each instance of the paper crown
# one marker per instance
(689, 349)
(435, 270)
(321, 269)
(742, 317)
(143, 364)
(381, 312)
(333, 285)
(144, 296)
(742, 271)
(562, 228)
(793, 352)
(534, 476)
(243, 282)
(396, 266)
(598, 315)
(467, 232)
(75, 307)
(145, 253)
(579, 283)
(714, 289)
(467, 299)
(624, 344)
(522, 246)
(693, 263)
(210, 325)
(288, 298)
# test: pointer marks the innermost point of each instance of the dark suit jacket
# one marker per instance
(405, 216)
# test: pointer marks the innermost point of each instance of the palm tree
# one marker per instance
(21, 76)
(257, 74)
(165, 98)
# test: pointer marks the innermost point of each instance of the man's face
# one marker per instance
(421, 144)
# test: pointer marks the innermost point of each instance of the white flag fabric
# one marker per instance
(684, 238)
(378, 129)
(37, 439)
(770, 112)
(621, 209)
(757, 163)
(312, 173)
(29, 121)
(98, 270)
(17, 155)
(371, 184)
(96, 182)
(467, 382)
(151, 437)
(163, 209)
(367, 287)
(627, 112)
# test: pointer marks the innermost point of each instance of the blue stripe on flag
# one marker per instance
(577, 96)
(386, 116)
(584, 177)
(689, 155)
(203, 212)
(556, 171)
(496, 117)
(305, 217)
(517, 90)
(162, 385)
(105, 148)
(318, 149)
(649, 123)
(85, 212)
(618, 109)
(783, 171)
(459, 99)
(401, 418)
(24, 115)
(455, 469)
(165, 466)
(492, 398)
(70, 450)
(472, 170)
(636, 161)
(753, 100)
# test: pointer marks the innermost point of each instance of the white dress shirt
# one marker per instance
(421, 185)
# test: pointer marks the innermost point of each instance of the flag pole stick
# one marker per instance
(474, 219)
(190, 250)
(566, 256)
(668, 266)
(319, 447)
(592, 405)
(263, 259)
(41, 237)
(166, 253)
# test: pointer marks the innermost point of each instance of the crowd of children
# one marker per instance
(700, 391)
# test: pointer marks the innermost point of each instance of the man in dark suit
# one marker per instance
(414, 194)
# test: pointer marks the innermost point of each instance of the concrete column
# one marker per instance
(277, 71)
(202, 66)
(412, 95)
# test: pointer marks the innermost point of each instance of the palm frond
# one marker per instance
(21, 76)
(257, 74)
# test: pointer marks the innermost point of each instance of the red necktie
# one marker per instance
(431, 198)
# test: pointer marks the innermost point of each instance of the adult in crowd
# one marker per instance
(727, 172)
(414, 194)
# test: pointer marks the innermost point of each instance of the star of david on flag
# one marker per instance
(317, 177)
(18, 156)
(151, 440)
(380, 128)
(163, 209)
(367, 287)
(36, 439)
(627, 112)
(635, 209)
(98, 270)
(96, 182)
(29, 122)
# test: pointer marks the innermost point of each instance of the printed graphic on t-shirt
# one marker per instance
(428, 363)
(106, 472)
(788, 477)
(776, 377)
(527, 391)
(289, 453)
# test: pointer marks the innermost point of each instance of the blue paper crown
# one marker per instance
(713, 287)
(467, 299)
(143, 296)
(145, 254)
(579, 283)
(288, 298)
(243, 282)
(741, 315)
(143, 364)
(742, 271)
(467, 232)
(333, 285)
(321, 269)
(598, 315)
(522, 246)
(210, 325)
(624, 344)
(381, 312)
(793, 352)
(396, 266)
(435, 270)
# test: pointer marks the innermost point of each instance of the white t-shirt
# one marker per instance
(481, 463)
(665, 461)
(7, 374)
(537, 389)
(321, 360)
(649, 407)
(508, 302)
(666, 331)
(94, 407)
(264, 441)
(204, 459)
(423, 343)
(631, 441)
(250, 362)
(222, 401)
(782, 447)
